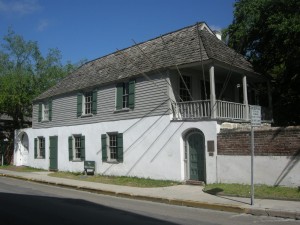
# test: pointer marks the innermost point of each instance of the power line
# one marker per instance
(158, 152)
(201, 59)
(154, 66)
(147, 77)
(176, 68)
(151, 145)
(226, 80)
(144, 132)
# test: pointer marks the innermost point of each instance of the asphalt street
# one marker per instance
(23, 202)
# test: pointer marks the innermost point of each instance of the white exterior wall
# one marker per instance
(270, 170)
(153, 147)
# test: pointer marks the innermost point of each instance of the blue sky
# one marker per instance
(88, 29)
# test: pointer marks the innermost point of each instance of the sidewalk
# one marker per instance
(185, 195)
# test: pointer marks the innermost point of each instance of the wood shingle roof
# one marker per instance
(184, 46)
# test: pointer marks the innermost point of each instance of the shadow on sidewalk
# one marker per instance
(218, 193)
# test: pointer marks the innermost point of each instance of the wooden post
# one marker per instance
(212, 92)
(245, 97)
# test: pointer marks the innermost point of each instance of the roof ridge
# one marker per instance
(131, 46)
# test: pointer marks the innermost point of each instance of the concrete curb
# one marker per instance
(179, 202)
(273, 213)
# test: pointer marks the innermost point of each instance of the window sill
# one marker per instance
(77, 160)
(122, 110)
(112, 162)
(40, 157)
(45, 121)
(86, 115)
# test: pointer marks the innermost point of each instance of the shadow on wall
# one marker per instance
(291, 164)
(278, 132)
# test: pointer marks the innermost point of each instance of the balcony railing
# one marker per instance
(231, 110)
(224, 111)
(191, 110)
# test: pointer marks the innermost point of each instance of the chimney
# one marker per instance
(218, 34)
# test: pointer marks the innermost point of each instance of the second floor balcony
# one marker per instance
(221, 110)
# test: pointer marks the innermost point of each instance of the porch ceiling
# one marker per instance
(221, 72)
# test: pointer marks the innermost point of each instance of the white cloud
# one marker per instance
(42, 25)
(20, 7)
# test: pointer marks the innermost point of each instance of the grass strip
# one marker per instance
(260, 191)
(117, 180)
(20, 168)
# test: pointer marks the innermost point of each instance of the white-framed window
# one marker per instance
(112, 147)
(87, 103)
(39, 148)
(77, 148)
(125, 95)
(185, 90)
(45, 111)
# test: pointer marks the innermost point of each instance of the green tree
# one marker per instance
(24, 74)
(267, 32)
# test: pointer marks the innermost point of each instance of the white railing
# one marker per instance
(224, 110)
(232, 110)
(202, 109)
(191, 110)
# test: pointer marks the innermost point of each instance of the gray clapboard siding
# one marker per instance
(149, 101)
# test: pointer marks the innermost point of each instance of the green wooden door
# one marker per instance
(53, 153)
(196, 156)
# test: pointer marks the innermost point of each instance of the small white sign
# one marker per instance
(255, 112)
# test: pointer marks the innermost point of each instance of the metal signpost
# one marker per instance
(255, 112)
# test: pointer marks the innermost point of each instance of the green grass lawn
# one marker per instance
(126, 181)
(20, 168)
(260, 191)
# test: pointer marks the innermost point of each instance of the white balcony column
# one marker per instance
(245, 97)
(212, 92)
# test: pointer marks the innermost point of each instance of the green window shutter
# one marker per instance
(40, 112)
(70, 148)
(35, 148)
(79, 104)
(104, 148)
(44, 149)
(131, 93)
(50, 109)
(120, 147)
(94, 103)
(82, 148)
(119, 97)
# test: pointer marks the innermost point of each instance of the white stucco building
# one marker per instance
(151, 110)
